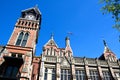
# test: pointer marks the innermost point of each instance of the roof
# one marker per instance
(36, 9)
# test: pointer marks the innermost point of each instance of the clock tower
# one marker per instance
(20, 49)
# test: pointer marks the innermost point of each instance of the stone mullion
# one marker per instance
(87, 69)
(73, 69)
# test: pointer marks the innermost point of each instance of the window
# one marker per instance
(54, 52)
(94, 75)
(22, 39)
(80, 75)
(49, 72)
(19, 38)
(25, 40)
(65, 74)
(53, 74)
(51, 51)
(11, 71)
(107, 75)
(45, 75)
(47, 51)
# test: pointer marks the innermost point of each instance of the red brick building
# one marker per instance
(18, 60)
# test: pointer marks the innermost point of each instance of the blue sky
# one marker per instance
(81, 17)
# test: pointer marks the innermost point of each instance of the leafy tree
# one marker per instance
(112, 7)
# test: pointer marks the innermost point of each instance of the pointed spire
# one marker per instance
(52, 35)
(105, 44)
(106, 49)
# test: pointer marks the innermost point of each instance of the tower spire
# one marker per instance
(106, 49)
(52, 35)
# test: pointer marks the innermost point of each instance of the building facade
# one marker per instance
(18, 60)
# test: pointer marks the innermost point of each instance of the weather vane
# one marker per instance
(69, 33)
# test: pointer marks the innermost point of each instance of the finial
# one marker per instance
(52, 35)
(105, 44)
(36, 5)
(69, 33)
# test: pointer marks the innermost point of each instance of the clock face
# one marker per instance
(30, 17)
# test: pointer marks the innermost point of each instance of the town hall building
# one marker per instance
(19, 62)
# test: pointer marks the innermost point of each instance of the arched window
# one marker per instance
(19, 38)
(25, 39)
(47, 52)
(22, 39)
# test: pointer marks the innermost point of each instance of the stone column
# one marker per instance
(26, 69)
(42, 68)
(99, 69)
(87, 69)
(58, 70)
(73, 68)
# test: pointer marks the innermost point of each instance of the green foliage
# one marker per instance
(112, 7)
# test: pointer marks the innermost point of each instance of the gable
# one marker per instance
(51, 42)
(65, 62)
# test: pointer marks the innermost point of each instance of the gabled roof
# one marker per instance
(36, 9)
(106, 51)
(51, 42)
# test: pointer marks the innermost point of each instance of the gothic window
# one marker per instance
(22, 22)
(46, 73)
(94, 75)
(22, 39)
(65, 74)
(19, 22)
(47, 51)
(25, 39)
(26, 23)
(80, 75)
(107, 75)
(29, 23)
(54, 52)
(11, 71)
(51, 51)
(32, 24)
(19, 38)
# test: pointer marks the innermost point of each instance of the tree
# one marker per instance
(112, 7)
